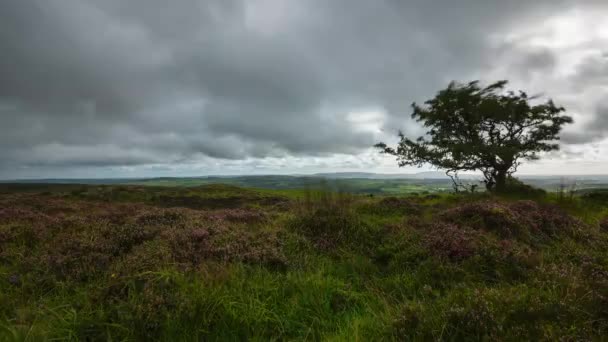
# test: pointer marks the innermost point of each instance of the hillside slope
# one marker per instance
(219, 262)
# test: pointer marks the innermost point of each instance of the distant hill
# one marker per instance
(369, 175)
(356, 182)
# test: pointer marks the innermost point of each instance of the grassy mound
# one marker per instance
(525, 220)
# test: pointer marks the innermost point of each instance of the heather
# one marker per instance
(220, 262)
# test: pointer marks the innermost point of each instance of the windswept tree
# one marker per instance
(487, 129)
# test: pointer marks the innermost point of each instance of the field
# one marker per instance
(358, 183)
(222, 262)
(352, 185)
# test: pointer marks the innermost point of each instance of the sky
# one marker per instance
(145, 88)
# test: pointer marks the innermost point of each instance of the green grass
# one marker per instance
(290, 183)
(223, 263)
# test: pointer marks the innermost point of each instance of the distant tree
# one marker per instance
(485, 129)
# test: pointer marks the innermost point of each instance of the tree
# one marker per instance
(485, 129)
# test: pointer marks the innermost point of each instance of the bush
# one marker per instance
(328, 229)
(163, 218)
(604, 224)
(240, 215)
(524, 220)
(86, 254)
(597, 197)
(401, 205)
(329, 220)
(451, 241)
(515, 187)
(78, 257)
(192, 246)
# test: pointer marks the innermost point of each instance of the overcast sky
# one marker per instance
(130, 88)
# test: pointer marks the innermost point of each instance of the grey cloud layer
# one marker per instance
(116, 82)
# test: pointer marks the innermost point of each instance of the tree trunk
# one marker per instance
(501, 181)
(489, 185)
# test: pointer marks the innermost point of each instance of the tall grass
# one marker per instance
(324, 266)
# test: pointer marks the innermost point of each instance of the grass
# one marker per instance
(291, 183)
(219, 262)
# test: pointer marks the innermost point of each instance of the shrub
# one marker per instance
(85, 254)
(401, 205)
(604, 224)
(78, 257)
(328, 229)
(407, 321)
(475, 319)
(328, 220)
(325, 200)
(192, 246)
(239, 215)
(197, 202)
(524, 220)
(598, 197)
(188, 246)
(153, 300)
(516, 187)
(122, 238)
(163, 218)
(451, 241)
(9, 214)
(148, 256)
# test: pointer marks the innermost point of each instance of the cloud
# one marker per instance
(114, 83)
(590, 82)
(593, 130)
(592, 70)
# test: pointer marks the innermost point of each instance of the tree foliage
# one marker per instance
(481, 128)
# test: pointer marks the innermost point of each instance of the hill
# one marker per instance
(220, 262)
(369, 175)
(355, 182)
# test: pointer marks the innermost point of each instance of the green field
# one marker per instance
(361, 186)
(371, 184)
(224, 263)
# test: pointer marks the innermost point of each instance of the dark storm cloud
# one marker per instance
(594, 130)
(528, 63)
(592, 74)
(116, 82)
(593, 70)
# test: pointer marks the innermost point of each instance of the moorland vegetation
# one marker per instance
(227, 263)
